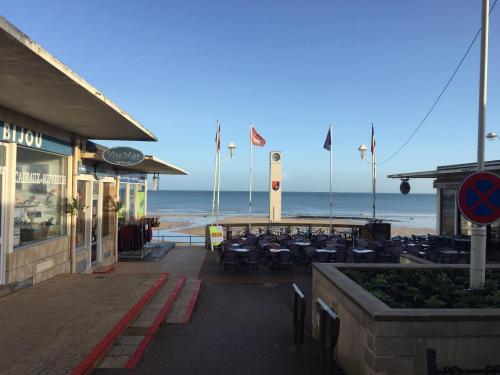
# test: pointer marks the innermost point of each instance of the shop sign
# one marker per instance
(33, 139)
(39, 178)
(123, 156)
(216, 235)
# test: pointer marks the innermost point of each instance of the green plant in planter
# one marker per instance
(116, 206)
(75, 206)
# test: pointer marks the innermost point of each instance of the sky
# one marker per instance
(289, 67)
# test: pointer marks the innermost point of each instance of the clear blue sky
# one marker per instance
(290, 67)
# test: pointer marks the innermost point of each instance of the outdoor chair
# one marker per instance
(231, 259)
(296, 251)
(252, 260)
(284, 260)
(322, 257)
(339, 257)
(309, 252)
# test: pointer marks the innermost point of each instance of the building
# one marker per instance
(449, 220)
(47, 116)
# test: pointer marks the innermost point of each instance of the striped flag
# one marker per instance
(373, 140)
(217, 138)
(328, 141)
(256, 138)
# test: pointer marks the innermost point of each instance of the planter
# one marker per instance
(377, 339)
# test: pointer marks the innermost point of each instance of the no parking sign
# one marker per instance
(479, 198)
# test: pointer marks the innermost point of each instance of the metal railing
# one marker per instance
(329, 328)
(189, 239)
(299, 313)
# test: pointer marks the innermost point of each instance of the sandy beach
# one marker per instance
(187, 223)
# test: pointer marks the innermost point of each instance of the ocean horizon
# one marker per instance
(412, 210)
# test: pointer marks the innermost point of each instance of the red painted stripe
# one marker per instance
(104, 345)
(109, 269)
(187, 316)
(155, 326)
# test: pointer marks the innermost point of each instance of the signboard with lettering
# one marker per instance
(216, 235)
(123, 156)
(33, 139)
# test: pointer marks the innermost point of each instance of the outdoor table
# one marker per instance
(242, 252)
(360, 254)
(302, 244)
(235, 245)
(278, 250)
(331, 251)
(448, 253)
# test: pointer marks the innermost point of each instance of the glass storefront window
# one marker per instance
(81, 189)
(123, 199)
(141, 200)
(447, 212)
(108, 211)
(132, 201)
(41, 183)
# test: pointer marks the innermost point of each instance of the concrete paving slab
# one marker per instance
(180, 261)
(52, 326)
(114, 362)
(180, 307)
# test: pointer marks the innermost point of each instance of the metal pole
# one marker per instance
(374, 180)
(218, 187)
(478, 240)
(215, 174)
(331, 194)
(250, 187)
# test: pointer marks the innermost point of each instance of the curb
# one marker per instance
(194, 297)
(107, 341)
(155, 326)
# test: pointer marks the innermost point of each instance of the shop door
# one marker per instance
(95, 244)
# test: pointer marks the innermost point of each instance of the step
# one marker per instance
(129, 348)
(99, 351)
(185, 303)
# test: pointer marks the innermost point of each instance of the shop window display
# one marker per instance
(41, 184)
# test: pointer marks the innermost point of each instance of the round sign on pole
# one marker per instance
(479, 198)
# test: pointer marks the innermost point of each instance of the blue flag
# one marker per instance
(328, 141)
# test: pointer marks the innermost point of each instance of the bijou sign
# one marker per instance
(123, 156)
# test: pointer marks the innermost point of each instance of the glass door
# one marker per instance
(95, 222)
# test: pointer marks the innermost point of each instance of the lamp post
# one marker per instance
(491, 136)
(232, 148)
(362, 150)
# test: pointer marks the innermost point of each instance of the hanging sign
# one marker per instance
(216, 235)
(404, 188)
(479, 198)
(123, 156)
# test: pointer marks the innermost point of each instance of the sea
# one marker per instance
(412, 210)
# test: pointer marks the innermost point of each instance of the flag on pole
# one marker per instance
(328, 141)
(373, 140)
(256, 138)
(217, 138)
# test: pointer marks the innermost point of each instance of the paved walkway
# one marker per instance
(49, 328)
(242, 324)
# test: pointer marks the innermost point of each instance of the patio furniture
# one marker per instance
(284, 260)
(252, 260)
(339, 256)
(322, 256)
(231, 260)
(361, 255)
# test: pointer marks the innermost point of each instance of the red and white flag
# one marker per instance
(217, 138)
(373, 140)
(256, 138)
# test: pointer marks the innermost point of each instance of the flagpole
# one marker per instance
(374, 176)
(218, 177)
(250, 182)
(215, 175)
(331, 191)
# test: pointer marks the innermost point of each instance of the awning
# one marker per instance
(491, 165)
(150, 164)
(35, 83)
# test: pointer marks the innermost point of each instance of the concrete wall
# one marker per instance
(39, 262)
(375, 339)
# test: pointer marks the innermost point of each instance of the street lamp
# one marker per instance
(492, 136)
(232, 148)
(362, 150)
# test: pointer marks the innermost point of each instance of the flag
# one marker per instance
(328, 141)
(256, 138)
(373, 140)
(217, 138)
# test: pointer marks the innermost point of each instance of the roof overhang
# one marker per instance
(492, 165)
(35, 83)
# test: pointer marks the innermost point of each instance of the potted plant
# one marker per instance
(76, 206)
